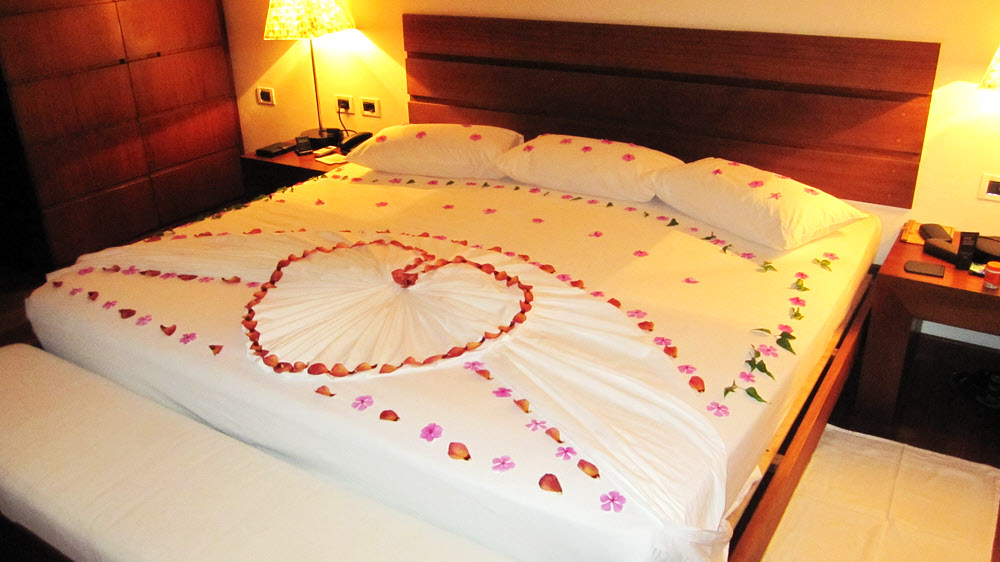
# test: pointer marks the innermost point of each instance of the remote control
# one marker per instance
(324, 151)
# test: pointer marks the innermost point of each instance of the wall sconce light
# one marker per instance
(309, 19)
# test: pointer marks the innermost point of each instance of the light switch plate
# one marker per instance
(989, 188)
(265, 96)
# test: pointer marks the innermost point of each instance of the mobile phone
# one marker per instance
(303, 145)
(924, 268)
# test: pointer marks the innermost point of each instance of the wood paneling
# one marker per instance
(198, 185)
(75, 165)
(103, 219)
(41, 44)
(100, 128)
(10, 7)
(167, 26)
(830, 62)
(846, 115)
(163, 83)
(771, 116)
(185, 134)
(69, 104)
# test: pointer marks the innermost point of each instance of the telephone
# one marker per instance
(351, 142)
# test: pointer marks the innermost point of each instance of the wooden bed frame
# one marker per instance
(842, 114)
(846, 115)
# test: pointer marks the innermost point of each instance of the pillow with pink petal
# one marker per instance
(761, 206)
(436, 149)
(586, 166)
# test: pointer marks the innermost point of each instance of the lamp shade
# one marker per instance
(305, 19)
(991, 79)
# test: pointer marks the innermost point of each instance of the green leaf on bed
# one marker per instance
(796, 313)
(824, 263)
(767, 266)
(784, 342)
(486, 184)
(800, 285)
(673, 222)
(730, 389)
(450, 182)
(709, 237)
(411, 181)
(752, 393)
(764, 330)
(577, 198)
(517, 188)
(725, 249)
(610, 204)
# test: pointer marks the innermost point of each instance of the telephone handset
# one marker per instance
(352, 141)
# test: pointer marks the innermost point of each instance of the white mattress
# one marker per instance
(671, 459)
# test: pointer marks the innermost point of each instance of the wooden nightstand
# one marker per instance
(900, 301)
(264, 175)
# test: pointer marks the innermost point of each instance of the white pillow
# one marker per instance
(587, 166)
(761, 206)
(436, 149)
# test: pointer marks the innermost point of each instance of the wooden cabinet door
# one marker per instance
(167, 26)
(41, 44)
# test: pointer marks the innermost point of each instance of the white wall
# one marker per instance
(963, 133)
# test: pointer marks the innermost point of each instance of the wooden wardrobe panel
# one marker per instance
(166, 26)
(65, 105)
(163, 83)
(193, 187)
(41, 44)
(10, 7)
(75, 165)
(190, 132)
(101, 220)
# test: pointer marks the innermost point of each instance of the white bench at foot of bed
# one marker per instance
(101, 473)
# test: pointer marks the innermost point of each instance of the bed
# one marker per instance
(533, 316)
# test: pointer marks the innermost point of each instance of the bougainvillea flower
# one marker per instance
(565, 453)
(431, 432)
(503, 463)
(613, 500)
(720, 410)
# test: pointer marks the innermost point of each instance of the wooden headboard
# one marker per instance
(845, 115)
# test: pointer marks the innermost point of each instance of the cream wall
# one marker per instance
(963, 133)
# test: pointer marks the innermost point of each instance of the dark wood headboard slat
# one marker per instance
(768, 115)
(846, 115)
(854, 176)
(833, 62)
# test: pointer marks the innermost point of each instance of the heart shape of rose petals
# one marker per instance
(312, 275)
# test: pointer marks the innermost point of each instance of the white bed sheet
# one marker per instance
(704, 297)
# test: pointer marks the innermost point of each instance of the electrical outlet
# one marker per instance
(371, 107)
(265, 96)
(345, 104)
(989, 188)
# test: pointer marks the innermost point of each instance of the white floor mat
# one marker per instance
(866, 498)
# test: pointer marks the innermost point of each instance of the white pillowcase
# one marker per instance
(436, 149)
(587, 166)
(757, 205)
